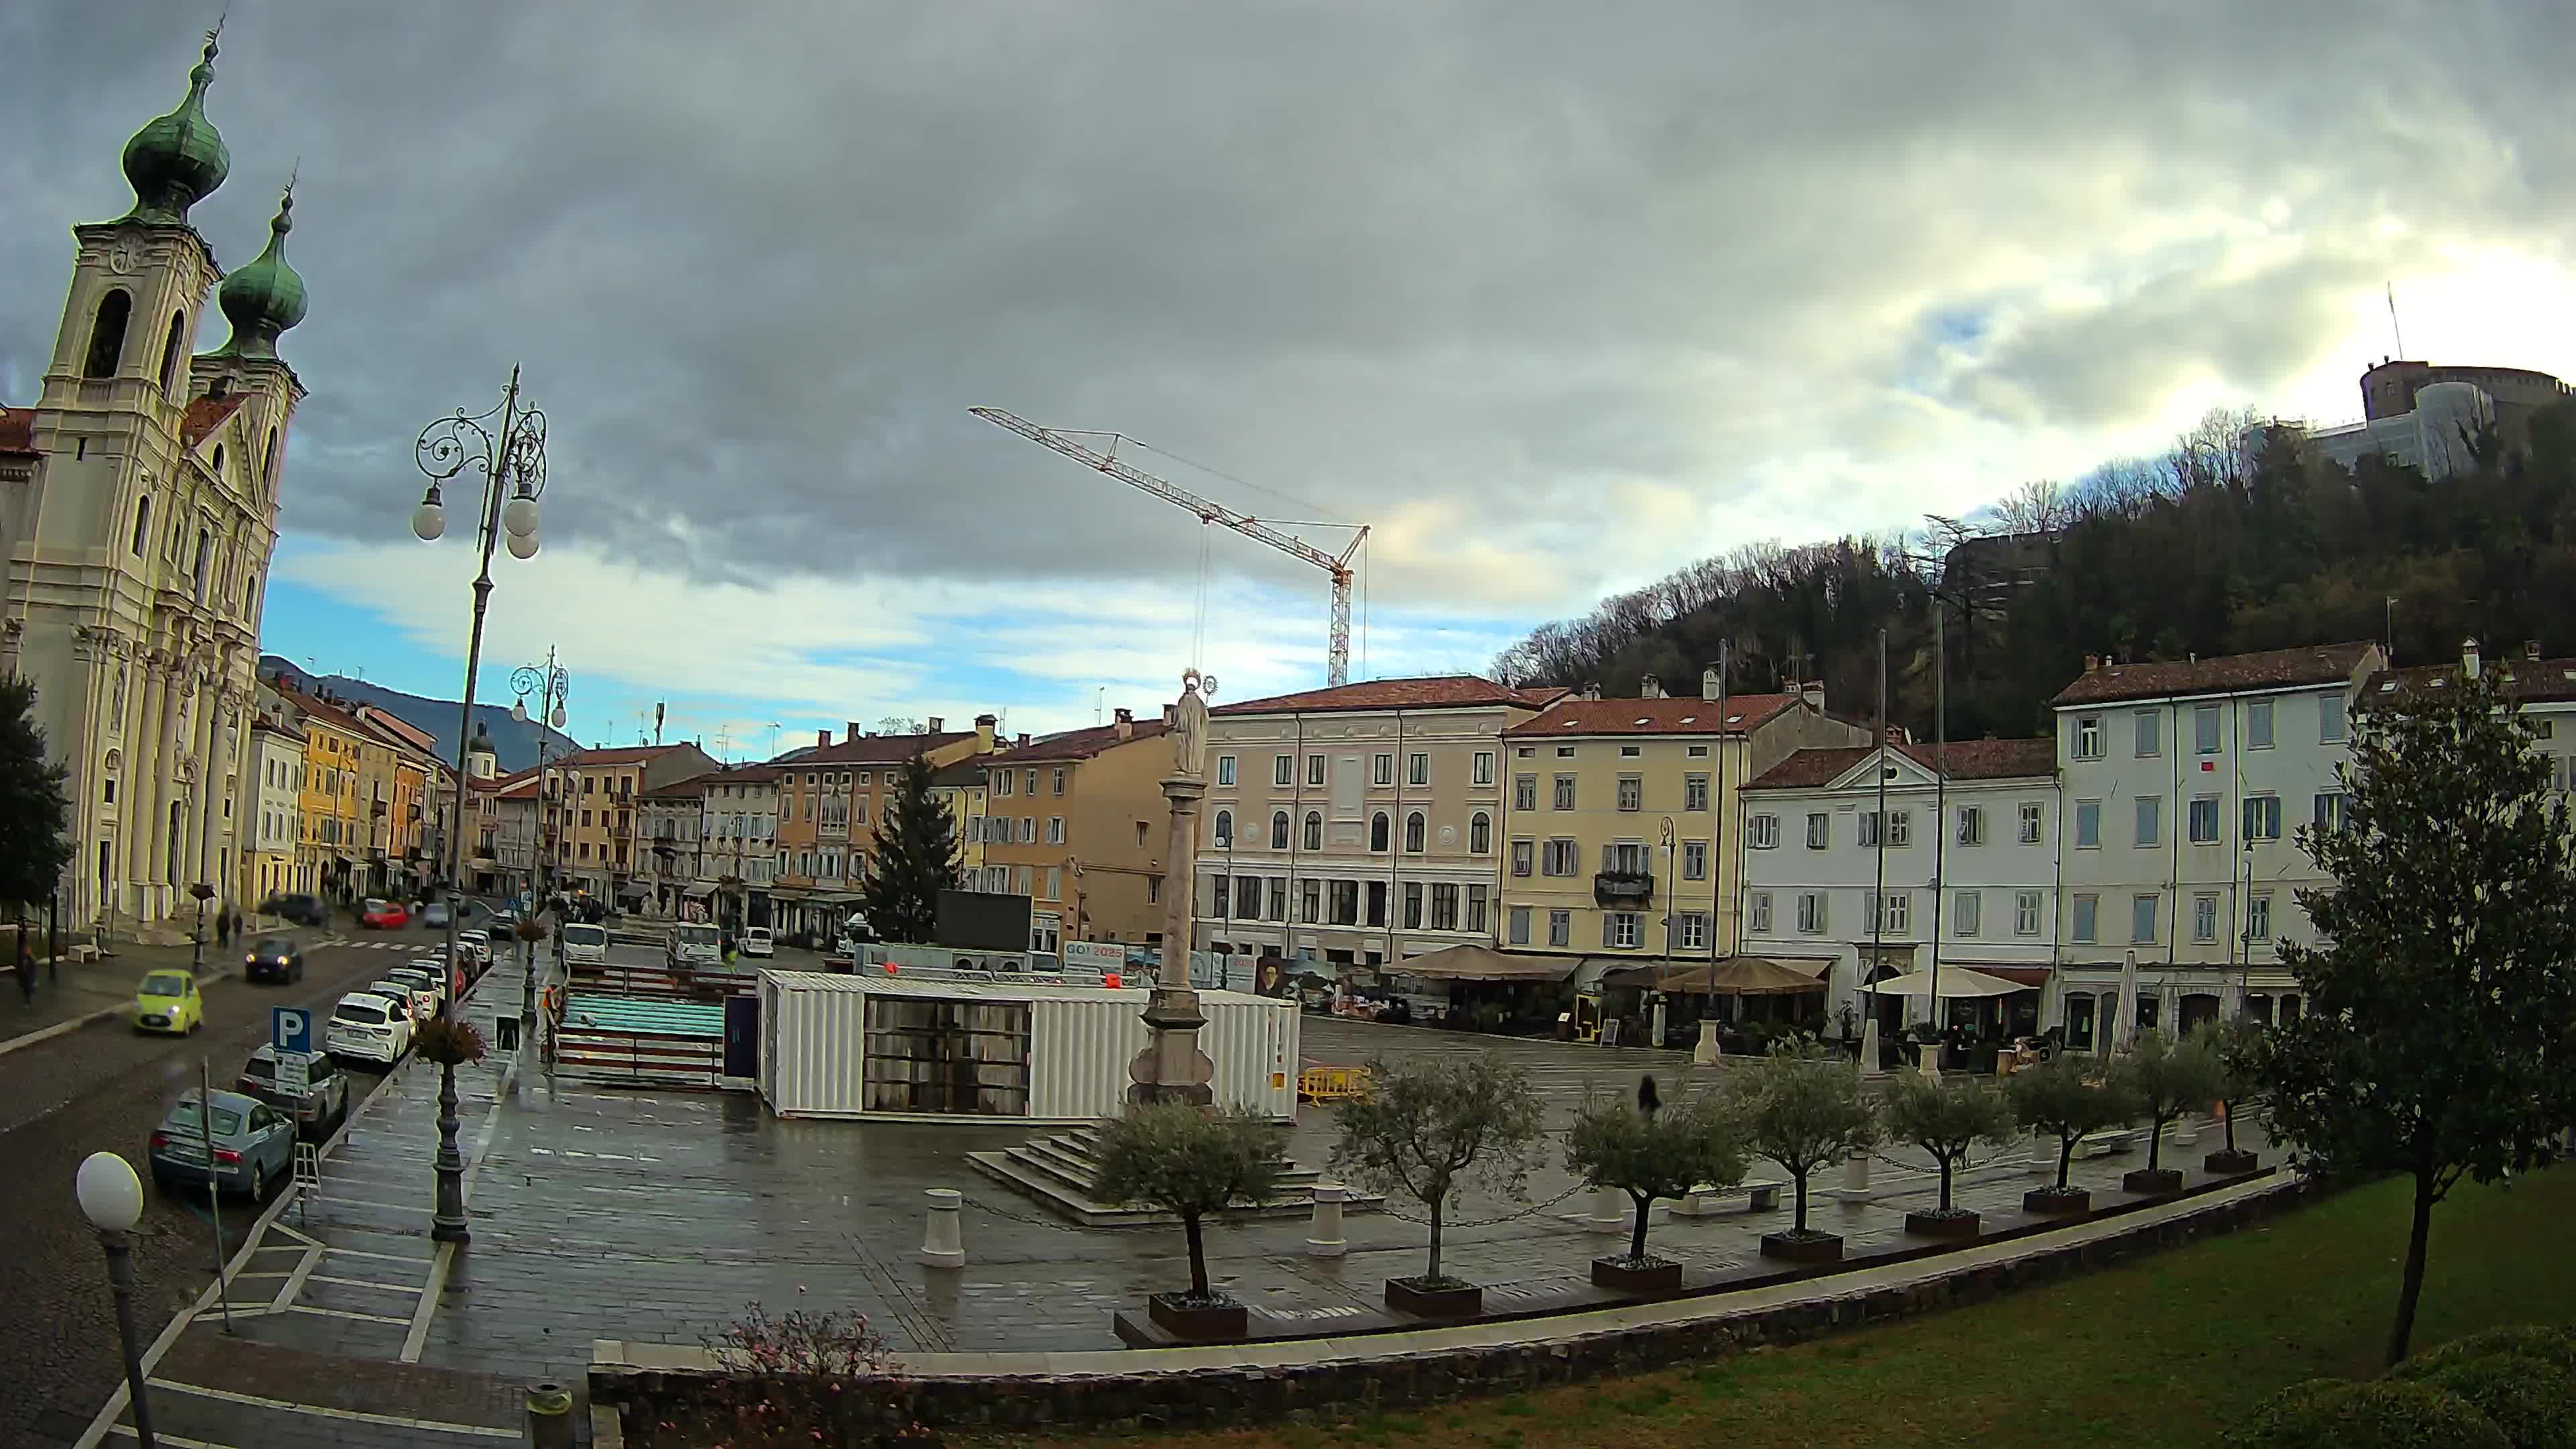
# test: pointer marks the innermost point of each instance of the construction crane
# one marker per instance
(1337, 565)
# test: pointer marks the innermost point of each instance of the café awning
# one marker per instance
(1956, 983)
(1733, 976)
(1482, 963)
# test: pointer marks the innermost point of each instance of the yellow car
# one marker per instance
(168, 1002)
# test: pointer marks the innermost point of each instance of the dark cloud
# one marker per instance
(1466, 260)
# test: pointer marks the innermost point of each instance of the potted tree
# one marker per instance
(1803, 1111)
(2238, 1048)
(1192, 1164)
(2164, 1079)
(2060, 1098)
(1420, 1130)
(1652, 1153)
(1947, 1119)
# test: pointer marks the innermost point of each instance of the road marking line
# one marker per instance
(368, 1283)
(295, 1281)
(170, 1439)
(60, 1028)
(325, 1411)
(391, 1207)
(341, 1313)
(428, 1307)
(388, 1257)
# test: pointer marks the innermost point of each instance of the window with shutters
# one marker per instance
(2151, 819)
(1524, 856)
(2204, 918)
(2258, 725)
(1560, 928)
(2087, 912)
(2204, 730)
(2204, 820)
(1694, 860)
(1694, 792)
(1811, 913)
(1525, 792)
(1967, 912)
(1762, 832)
(2088, 824)
(2087, 730)
(2258, 916)
(2151, 725)
(2025, 913)
(1691, 931)
(1757, 912)
(1619, 930)
(1632, 792)
(2142, 919)
(1564, 792)
(2262, 817)
(1820, 831)
(1518, 926)
(2034, 816)
(1972, 825)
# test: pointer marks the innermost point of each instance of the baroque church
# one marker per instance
(138, 509)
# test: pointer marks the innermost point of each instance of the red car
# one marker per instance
(384, 916)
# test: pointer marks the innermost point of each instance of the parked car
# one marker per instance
(303, 910)
(273, 958)
(755, 941)
(322, 1106)
(418, 1002)
(434, 915)
(426, 978)
(384, 916)
(478, 945)
(369, 1028)
(168, 1001)
(254, 1144)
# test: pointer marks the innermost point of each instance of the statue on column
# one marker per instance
(1189, 724)
(1172, 1067)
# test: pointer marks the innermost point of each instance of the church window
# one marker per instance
(142, 522)
(268, 459)
(219, 460)
(107, 334)
(170, 353)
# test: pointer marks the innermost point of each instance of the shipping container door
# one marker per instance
(742, 1036)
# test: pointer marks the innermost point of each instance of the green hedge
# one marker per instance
(2383, 1414)
(2529, 1340)
(2526, 1397)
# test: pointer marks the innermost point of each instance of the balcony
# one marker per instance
(1623, 889)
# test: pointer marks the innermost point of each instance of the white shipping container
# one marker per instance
(815, 1043)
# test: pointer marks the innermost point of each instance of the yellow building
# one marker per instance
(332, 839)
(963, 788)
(1620, 817)
(1077, 823)
(829, 800)
(592, 794)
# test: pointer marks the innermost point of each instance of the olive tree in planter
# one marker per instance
(1194, 1165)
(1425, 1127)
(1666, 1152)
(2062, 1098)
(1947, 1119)
(2238, 1048)
(1803, 1111)
(2163, 1079)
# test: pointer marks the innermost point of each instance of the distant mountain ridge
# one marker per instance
(514, 744)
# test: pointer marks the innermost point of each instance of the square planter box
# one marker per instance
(1200, 1321)
(1405, 1295)
(1942, 1225)
(2226, 1163)
(2152, 1181)
(2052, 1202)
(1619, 1276)
(1814, 1248)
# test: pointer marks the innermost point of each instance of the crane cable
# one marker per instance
(1198, 624)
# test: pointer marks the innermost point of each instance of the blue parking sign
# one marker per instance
(290, 1029)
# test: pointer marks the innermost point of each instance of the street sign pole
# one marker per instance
(214, 1194)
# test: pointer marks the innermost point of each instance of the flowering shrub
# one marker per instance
(799, 1378)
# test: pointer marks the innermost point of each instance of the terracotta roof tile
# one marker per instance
(2533, 681)
(17, 431)
(1968, 760)
(2227, 673)
(619, 755)
(207, 414)
(1447, 691)
(1654, 716)
(875, 749)
(1072, 744)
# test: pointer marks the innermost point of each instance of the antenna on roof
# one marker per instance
(2394, 330)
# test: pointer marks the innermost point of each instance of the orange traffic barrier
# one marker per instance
(1332, 1084)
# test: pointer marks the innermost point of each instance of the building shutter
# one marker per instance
(1605, 928)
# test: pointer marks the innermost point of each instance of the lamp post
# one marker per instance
(550, 683)
(507, 445)
(111, 1197)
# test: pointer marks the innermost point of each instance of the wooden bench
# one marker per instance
(1704, 1202)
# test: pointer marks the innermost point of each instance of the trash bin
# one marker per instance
(505, 1033)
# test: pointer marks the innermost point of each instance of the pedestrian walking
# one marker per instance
(224, 927)
(26, 970)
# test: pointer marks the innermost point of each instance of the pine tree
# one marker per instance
(35, 811)
(916, 857)
(2442, 999)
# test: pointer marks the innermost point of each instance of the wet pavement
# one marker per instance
(657, 1216)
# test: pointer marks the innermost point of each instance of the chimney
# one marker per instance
(855, 731)
(1023, 739)
(1592, 690)
(2092, 663)
(2531, 650)
(1650, 688)
(937, 726)
(1813, 692)
(1708, 685)
(822, 739)
(1126, 724)
(2469, 658)
(984, 726)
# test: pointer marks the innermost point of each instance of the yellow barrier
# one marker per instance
(1332, 1084)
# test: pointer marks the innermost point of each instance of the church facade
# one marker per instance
(138, 508)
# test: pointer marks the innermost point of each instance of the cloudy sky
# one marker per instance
(1553, 297)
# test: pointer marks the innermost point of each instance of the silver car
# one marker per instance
(254, 1145)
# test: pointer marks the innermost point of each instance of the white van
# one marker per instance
(695, 944)
(756, 941)
(585, 945)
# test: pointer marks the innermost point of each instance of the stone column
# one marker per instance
(147, 785)
(1171, 1068)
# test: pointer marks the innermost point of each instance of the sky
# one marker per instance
(1553, 298)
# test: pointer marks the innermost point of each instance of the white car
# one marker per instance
(368, 1028)
(476, 942)
(755, 941)
(423, 983)
(585, 945)
(419, 1002)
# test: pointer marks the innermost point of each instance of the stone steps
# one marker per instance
(1061, 1172)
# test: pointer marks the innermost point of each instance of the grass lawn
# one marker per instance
(2160, 1351)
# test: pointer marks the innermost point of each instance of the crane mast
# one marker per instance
(1337, 566)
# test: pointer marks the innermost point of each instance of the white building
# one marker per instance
(2545, 688)
(138, 510)
(273, 861)
(738, 842)
(1962, 869)
(2184, 784)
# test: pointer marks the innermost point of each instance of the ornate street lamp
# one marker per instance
(551, 683)
(507, 445)
(111, 1197)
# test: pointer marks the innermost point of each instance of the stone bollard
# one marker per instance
(2185, 1131)
(1324, 1234)
(943, 1241)
(549, 1416)
(1706, 1053)
(2043, 1154)
(1609, 1211)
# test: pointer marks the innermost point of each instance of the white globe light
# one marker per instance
(519, 711)
(523, 545)
(519, 516)
(559, 717)
(111, 1196)
(428, 521)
